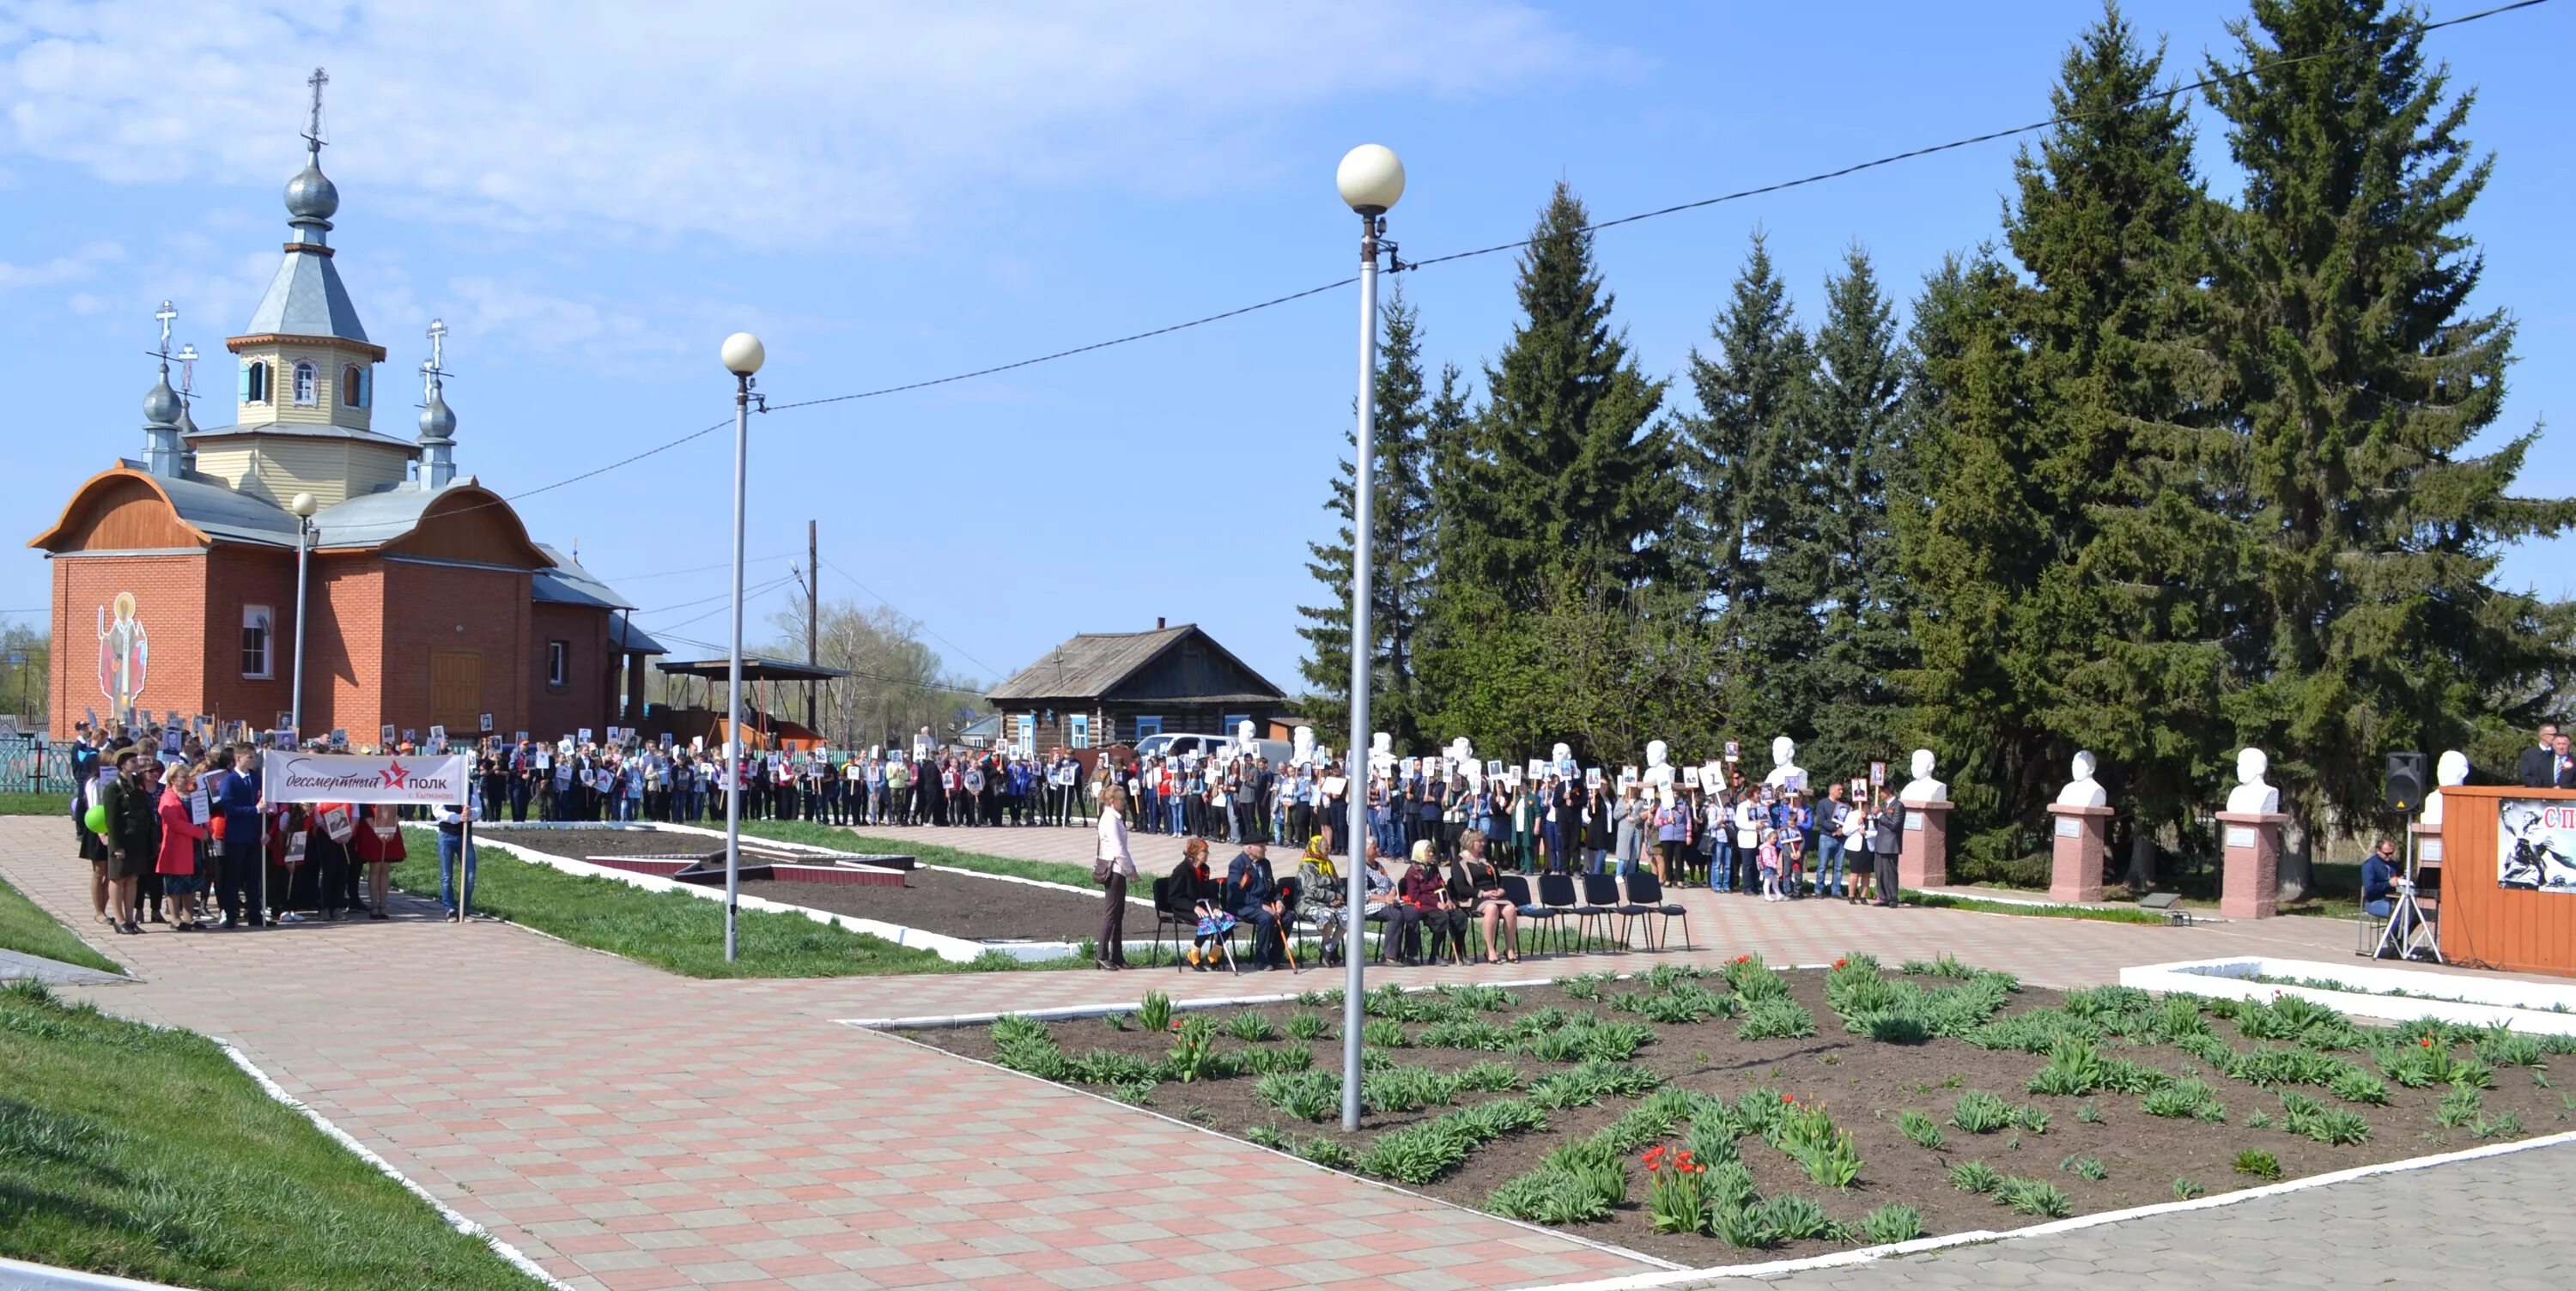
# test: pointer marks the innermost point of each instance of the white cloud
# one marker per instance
(61, 269)
(776, 122)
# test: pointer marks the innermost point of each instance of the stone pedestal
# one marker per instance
(2250, 882)
(1924, 860)
(2081, 833)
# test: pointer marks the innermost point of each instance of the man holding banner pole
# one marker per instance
(445, 784)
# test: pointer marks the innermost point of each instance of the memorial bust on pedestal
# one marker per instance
(1923, 788)
(2251, 796)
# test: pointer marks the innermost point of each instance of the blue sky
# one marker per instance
(593, 195)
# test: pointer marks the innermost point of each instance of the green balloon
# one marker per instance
(97, 818)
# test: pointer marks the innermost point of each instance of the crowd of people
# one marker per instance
(179, 833)
(648, 782)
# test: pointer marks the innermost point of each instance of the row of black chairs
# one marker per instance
(1567, 908)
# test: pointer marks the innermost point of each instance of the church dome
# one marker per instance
(311, 195)
(161, 405)
(437, 421)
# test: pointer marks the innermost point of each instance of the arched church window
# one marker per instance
(305, 381)
(254, 382)
(353, 387)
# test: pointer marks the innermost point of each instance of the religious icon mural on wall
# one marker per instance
(124, 655)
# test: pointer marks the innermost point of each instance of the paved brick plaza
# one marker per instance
(631, 1129)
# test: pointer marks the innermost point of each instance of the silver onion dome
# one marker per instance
(161, 404)
(311, 195)
(437, 420)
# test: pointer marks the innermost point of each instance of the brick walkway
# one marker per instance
(631, 1129)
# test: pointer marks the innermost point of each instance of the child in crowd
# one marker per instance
(1768, 859)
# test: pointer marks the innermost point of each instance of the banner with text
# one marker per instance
(321, 777)
(2536, 848)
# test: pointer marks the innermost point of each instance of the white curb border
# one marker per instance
(460, 1223)
(956, 950)
(2483, 1001)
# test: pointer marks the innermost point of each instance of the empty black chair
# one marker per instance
(1516, 889)
(1556, 892)
(1601, 899)
(1646, 900)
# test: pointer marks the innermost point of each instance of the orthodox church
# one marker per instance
(426, 603)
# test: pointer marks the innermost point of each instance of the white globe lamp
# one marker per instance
(1371, 178)
(743, 354)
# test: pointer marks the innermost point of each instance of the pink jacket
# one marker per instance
(179, 836)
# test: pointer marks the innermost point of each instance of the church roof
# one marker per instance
(372, 519)
(304, 429)
(570, 584)
(224, 514)
(306, 299)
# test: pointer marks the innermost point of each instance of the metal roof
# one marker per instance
(372, 519)
(223, 514)
(1093, 664)
(570, 584)
(306, 299)
(753, 669)
(305, 429)
(626, 638)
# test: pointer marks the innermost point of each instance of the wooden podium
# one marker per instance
(2483, 923)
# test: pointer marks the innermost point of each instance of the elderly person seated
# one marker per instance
(1402, 936)
(1427, 892)
(1193, 896)
(1475, 885)
(1256, 899)
(1319, 886)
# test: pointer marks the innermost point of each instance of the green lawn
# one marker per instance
(36, 804)
(672, 930)
(147, 1154)
(2099, 914)
(30, 931)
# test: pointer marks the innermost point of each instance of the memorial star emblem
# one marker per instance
(395, 774)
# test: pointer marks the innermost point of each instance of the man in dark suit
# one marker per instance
(2538, 769)
(2563, 762)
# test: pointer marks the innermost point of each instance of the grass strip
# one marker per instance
(37, 804)
(2098, 914)
(27, 929)
(147, 1154)
(669, 930)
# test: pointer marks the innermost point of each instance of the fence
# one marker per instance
(28, 766)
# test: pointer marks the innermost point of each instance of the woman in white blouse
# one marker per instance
(1113, 866)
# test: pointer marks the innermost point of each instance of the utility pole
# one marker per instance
(813, 605)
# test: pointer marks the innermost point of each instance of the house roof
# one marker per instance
(221, 513)
(570, 584)
(753, 669)
(1092, 664)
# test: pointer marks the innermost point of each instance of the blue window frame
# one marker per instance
(1078, 730)
(1148, 726)
(1226, 725)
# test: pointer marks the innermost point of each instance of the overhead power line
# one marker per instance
(1819, 177)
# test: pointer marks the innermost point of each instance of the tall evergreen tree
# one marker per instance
(1851, 424)
(2136, 606)
(1561, 479)
(1566, 470)
(1401, 517)
(2361, 379)
(2076, 553)
(1757, 490)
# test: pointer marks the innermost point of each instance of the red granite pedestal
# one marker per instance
(2250, 880)
(2081, 834)
(1924, 859)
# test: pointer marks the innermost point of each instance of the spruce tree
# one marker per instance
(2135, 609)
(1560, 482)
(1851, 423)
(1401, 516)
(1566, 470)
(1757, 491)
(2361, 380)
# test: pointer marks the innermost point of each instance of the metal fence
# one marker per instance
(28, 766)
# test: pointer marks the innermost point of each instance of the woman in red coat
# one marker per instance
(177, 862)
(378, 844)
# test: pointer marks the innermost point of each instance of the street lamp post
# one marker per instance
(742, 354)
(1370, 179)
(303, 505)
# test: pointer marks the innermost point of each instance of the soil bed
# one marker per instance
(1862, 1084)
(954, 904)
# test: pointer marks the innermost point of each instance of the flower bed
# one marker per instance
(1750, 1114)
